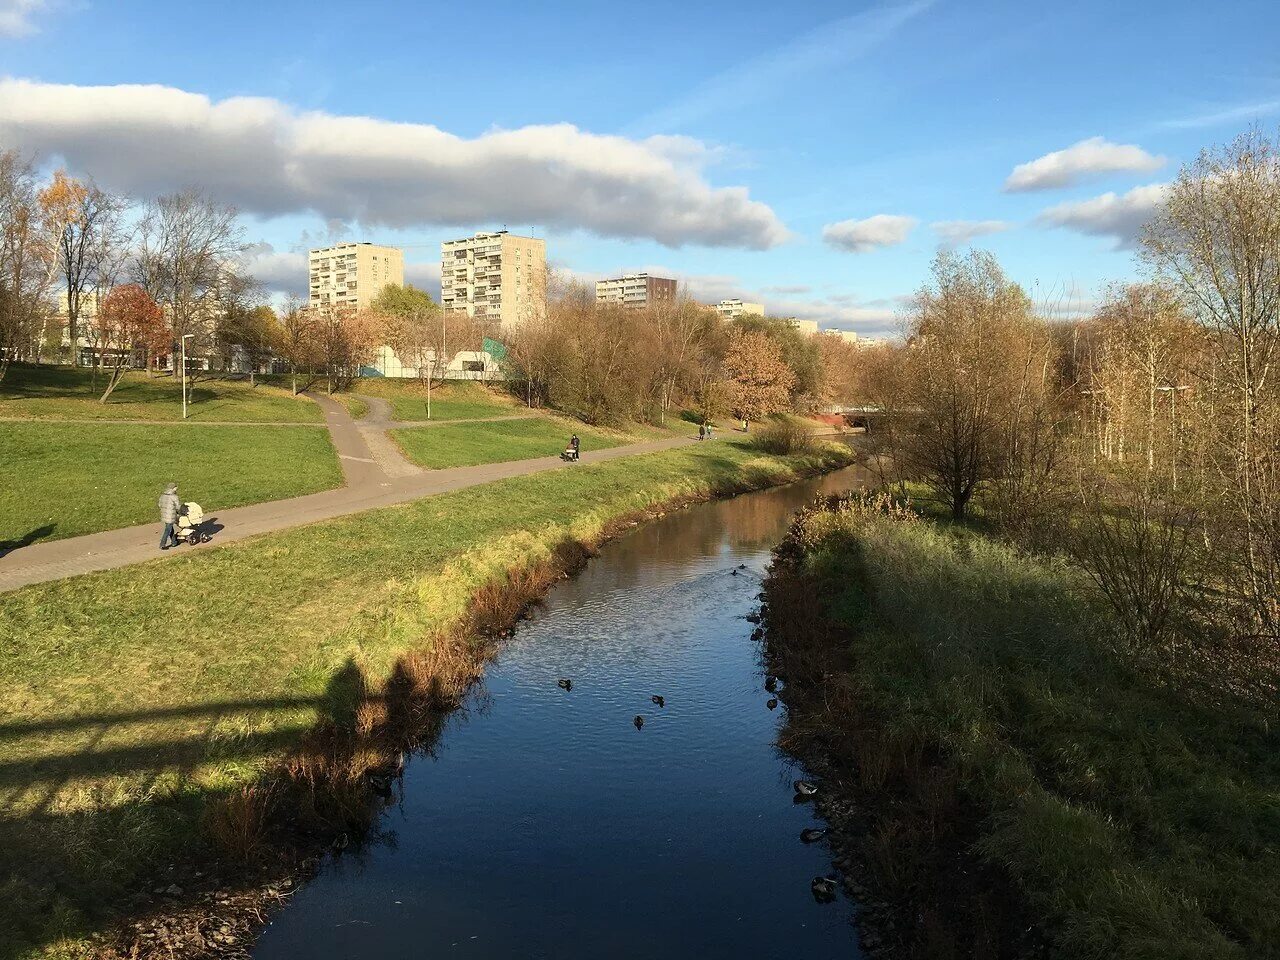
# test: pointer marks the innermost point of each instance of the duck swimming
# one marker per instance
(812, 834)
(772, 703)
(804, 788)
(660, 701)
(771, 683)
(824, 889)
(638, 721)
(564, 683)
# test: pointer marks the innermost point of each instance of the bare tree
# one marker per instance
(1217, 239)
(188, 260)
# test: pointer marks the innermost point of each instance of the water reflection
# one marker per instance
(549, 823)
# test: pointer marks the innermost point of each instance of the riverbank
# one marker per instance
(152, 709)
(998, 774)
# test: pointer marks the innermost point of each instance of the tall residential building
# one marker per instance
(493, 276)
(808, 327)
(848, 336)
(732, 309)
(353, 274)
(636, 290)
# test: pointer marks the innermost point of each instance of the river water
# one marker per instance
(547, 825)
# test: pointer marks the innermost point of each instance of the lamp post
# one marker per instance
(185, 338)
(1173, 426)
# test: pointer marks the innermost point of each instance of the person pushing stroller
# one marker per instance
(573, 451)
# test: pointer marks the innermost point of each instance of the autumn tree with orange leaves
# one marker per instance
(759, 380)
(129, 322)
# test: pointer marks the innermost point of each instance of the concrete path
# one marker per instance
(375, 477)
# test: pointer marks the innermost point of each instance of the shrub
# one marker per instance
(784, 436)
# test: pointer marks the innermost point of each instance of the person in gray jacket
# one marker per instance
(169, 508)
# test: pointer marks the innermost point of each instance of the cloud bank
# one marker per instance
(269, 159)
(1118, 216)
(862, 236)
(1079, 162)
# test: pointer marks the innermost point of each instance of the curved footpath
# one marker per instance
(376, 475)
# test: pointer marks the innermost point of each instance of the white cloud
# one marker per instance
(277, 270)
(269, 159)
(1118, 216)
(958, 233)
(1081, 161)
(15, 17)
(861, 236)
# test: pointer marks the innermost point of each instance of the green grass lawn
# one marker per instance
(1136, 817)
(66, 393)
(467, 444)
(129, 698)
(67, 479)
(454, 401)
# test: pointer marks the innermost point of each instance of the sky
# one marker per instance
(812, 156)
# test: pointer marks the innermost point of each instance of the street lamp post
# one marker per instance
(185, 338)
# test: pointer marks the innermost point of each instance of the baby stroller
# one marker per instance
(188, 528)
(570, 454)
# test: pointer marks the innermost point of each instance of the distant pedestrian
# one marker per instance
(709, 433)
(169, 508)
(576, 444)
(702, 431)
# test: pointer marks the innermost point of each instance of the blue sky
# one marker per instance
(716, 141)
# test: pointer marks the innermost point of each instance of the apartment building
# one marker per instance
(353, 274)
(636, 290)
(808, 327)
(497, 277)
(848, 336)
(732, 309)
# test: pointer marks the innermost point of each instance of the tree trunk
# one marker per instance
(113, 381)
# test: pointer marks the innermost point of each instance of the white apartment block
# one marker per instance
(636, 290)
(848, 336)
(493, 276)
(808, 327)
(352, 274)
(732, 309)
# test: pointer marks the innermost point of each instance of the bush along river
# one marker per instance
(612, 788)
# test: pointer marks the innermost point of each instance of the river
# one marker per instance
(547, 825)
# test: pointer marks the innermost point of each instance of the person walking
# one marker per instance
(702, 431)
(577, 446)
(169, 507)
(709, 434)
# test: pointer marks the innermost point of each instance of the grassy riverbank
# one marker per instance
(133, 701)
(1014, 768)
(466, 444)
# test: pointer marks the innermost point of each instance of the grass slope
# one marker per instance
(1137, 819)
(65, 479)
(467, 444)
(129, 699)
(64, 393)
(453, 401)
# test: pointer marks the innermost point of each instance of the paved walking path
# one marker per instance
(375, 477)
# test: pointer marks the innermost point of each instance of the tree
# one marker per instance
(189, 261)
(688, 335)
(27, 262)
(800, 352)
(1217, 241)
(347, 339)
(973, 353)
(84, 225)
(252, 332)
(410, 325)
(298, 341)
(759, 380)
(128, 322)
